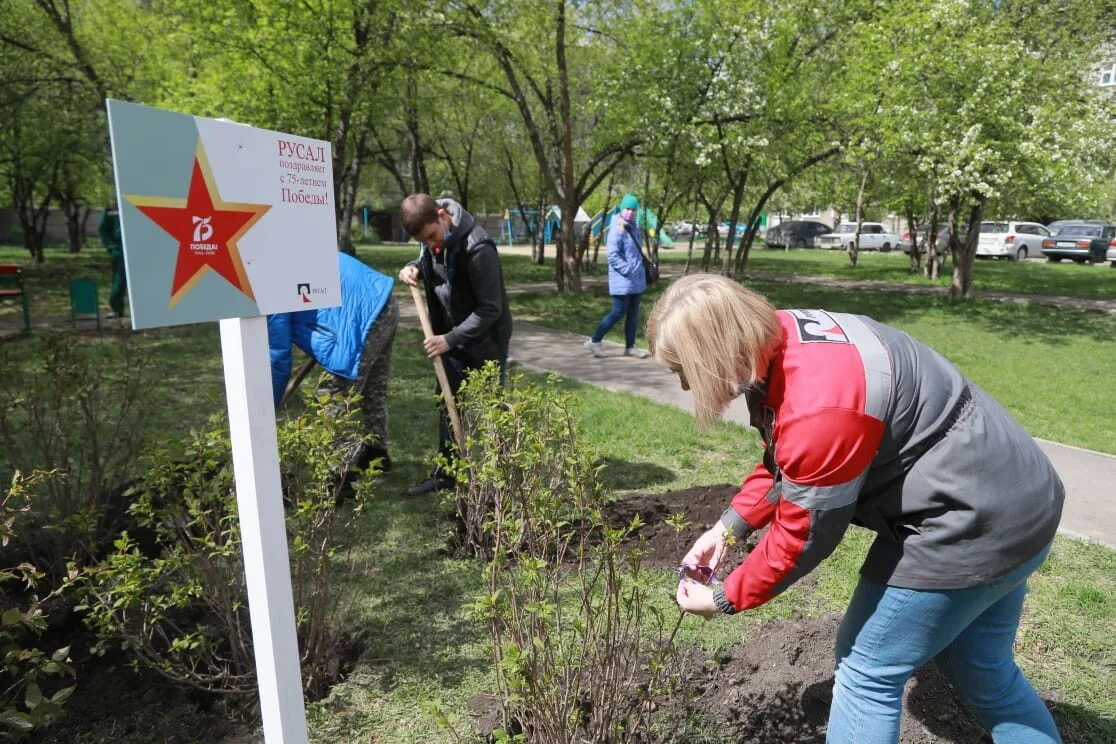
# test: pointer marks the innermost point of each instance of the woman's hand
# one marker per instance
(709, 549)
(696, 598)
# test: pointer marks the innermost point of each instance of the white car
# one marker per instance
(1110, 254)
(873, 237)
(1012, 240)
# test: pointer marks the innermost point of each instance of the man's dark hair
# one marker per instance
(418, 211)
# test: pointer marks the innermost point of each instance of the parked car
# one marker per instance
(873, 237)
(796, 233)
(923, 232)
(684, 229)
(941, 242)
(1081, 241)
(1012, 240)
(1057, 225)
(1110, 255)
(723, 229)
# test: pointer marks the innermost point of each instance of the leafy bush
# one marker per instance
(579, 652)
(23, 705)
(74, 415)
(173, 593)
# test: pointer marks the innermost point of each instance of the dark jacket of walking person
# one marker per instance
(464, 286)
(626, 279)
(863, 425)
(353, 342)
(108, 230)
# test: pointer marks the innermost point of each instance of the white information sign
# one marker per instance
(221, 220)
(226, 222)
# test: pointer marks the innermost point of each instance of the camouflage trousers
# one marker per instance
(371, 383)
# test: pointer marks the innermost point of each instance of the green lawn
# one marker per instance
(47, 284)
(421, 651)
(1030, 277)
(1047, 365)
(1051, 367)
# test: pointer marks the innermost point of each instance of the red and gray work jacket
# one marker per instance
(862, 424)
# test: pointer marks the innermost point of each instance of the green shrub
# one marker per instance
(74, 415)
(24, 707)
(173, 593)
(579, 653)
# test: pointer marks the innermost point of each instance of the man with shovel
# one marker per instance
(463, 285)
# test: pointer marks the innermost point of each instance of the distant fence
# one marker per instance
(10, 231)
(385, 223)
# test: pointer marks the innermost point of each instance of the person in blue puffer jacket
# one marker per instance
(626, 279)
(353, 343)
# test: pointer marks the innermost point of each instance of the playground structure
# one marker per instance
(519, 225)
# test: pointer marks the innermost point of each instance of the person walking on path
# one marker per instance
(464, 284)
(353, 343)
(626, 279)
(862, 424)
(108, 229)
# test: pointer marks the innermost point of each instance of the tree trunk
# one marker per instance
(75, 236)
(854, 247)
(419, 181)
(569, 199)
(32, 220)
(347, 206)
(32, 216)
(537, 229)
(604, 220)
(567, 248)
(933, 266)
(734, 217)
(964, 255)
(753, 224)
(693, 233)
(952, 221)
(916, 249)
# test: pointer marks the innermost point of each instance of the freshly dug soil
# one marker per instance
(776, 686)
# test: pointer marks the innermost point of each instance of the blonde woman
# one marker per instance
(862, 424)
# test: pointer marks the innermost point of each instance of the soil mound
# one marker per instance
(777, 685)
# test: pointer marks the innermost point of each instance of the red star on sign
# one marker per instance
(206, 229)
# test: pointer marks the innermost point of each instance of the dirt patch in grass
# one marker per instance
(776, 686)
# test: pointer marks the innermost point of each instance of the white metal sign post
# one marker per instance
(227, 222)
(263, 532)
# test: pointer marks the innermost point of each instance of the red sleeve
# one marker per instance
(823, 459)
(752, 582)
(754, 502)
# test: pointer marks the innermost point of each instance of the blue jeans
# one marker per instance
(889, 632)
(626, 306)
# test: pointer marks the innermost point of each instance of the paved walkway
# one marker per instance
(1089, 477)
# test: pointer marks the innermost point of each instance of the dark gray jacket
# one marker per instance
(465, 291)
(863, 424)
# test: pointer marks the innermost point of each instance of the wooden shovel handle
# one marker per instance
(439, 370)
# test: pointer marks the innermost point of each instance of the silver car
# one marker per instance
(1012, 240)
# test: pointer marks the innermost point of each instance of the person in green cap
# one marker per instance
(626, 279)
(108, 229)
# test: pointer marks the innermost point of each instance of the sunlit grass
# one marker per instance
(420, 649)
(1041, 362)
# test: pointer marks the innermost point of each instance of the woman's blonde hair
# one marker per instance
(717, 334)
